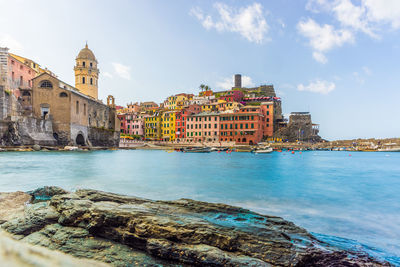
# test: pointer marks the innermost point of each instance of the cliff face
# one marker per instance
(124, 230)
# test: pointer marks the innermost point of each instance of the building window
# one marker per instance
(12, 75)
(21, 81)
(46, 84)
(63, 94)
(91, 64)
(77, 107)
(84, 63)
(83, 80)
(91, 81)
(84, 109)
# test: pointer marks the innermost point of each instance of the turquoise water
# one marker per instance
(351, 200)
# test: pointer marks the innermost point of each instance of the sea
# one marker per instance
(348, 199)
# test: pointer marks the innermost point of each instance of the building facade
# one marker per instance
(245, 126)
(77, 118)
(203, 127)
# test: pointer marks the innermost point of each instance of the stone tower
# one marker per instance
(86, 73)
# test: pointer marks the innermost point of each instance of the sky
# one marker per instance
(337, 59)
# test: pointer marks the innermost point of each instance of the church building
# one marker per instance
(78, 116)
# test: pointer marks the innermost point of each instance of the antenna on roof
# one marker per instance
(86, 44)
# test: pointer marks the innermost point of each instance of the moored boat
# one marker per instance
(198, 150)
(263, 150)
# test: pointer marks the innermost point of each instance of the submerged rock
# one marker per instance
(124, 230)
(46, 193)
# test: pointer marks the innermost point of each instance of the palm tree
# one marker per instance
(202, 86)
(206, 88)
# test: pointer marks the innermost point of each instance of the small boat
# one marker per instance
(198, 150)
(389, 149)
(263, 150)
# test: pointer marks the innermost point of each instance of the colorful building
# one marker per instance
(149, 105)
(181, 120)
(152, 126)
(245, 126)
(168, 125)
(203, 127)
(177, 101)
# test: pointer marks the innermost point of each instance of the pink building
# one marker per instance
(203, 127)
(20, 76)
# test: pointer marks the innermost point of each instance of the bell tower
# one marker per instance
(86, 73)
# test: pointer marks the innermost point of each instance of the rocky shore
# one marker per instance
(129, 231)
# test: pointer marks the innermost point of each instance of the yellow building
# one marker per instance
(223, 105)
(152, 126)
(209, 107)
(168, 125)
(176, 102)
(86, 73)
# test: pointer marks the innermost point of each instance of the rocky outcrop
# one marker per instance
(122, 230)
(13, 253)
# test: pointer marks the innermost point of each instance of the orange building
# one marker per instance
(245, 126)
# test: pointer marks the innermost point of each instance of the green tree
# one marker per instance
(202, 86)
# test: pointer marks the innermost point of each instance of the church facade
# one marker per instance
(77, 116)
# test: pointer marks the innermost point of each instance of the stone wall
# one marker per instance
(26, 131)
(103, 137)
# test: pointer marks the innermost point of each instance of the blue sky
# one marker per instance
(338, 59)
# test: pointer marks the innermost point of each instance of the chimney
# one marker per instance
(238, 80)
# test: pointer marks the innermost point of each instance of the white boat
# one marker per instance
(263, 150)
(389, 149)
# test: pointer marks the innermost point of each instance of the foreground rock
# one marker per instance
(13, 253)
(126, 230)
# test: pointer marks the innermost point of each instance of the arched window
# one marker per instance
(91, 81)
(26, 93)
(84, 63)
(83, 80)
(63, 94)
(46, 84)
(91, 64)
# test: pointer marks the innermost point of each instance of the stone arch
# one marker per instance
(80, 139)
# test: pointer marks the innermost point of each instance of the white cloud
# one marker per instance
(247, 21)
(318, 86)
(385, 11)
(7, 40)
(122, 70)
(227, 83)
(367, 16)
(107, 74)
(323, 38)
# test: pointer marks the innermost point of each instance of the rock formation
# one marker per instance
(124, 230)
(13, 253)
